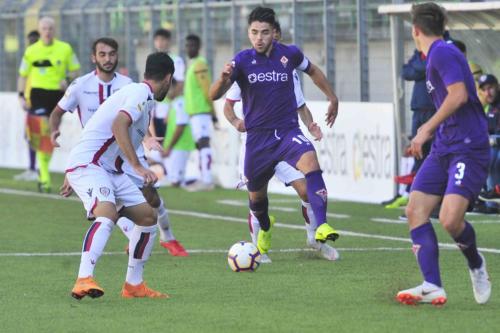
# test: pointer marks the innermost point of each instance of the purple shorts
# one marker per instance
(266, 148)
(462, 174)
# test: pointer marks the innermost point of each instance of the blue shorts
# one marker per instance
(462, 174)
(266, 148)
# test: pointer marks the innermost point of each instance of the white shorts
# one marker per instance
(283, 171)
(134, 177)
(93, 184)
(201, 126)
(175, 164)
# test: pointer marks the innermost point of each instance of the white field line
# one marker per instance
(239, 203)
(209, 251)
(241, 220)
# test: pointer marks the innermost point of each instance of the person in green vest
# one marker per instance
(178, 142)
(199, 107)
(50, 64)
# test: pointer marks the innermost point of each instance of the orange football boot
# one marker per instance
(86, 286)
(141, 290)
(175, 248)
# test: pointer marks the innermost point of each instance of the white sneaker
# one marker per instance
(199, 186)
(417, 295)
(328, 252)
(264, 259)
(27, 175)
(481, 285)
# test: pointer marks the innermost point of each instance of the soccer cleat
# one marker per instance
(384, 203)
(491, 196)
(198, 186)
(264, 238)
(28, 175)
(86, 287)
(264, 259)
(44, 188)
(174, 248)
(325, 232)
(141, 290)
(481, 285)
(399, 202)
(418, 295)
(328, 252)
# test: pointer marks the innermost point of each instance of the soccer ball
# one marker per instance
(243, 257)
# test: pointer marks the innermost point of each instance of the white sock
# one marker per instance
(254, 226)
(126, 225)
(166, 234)
(206, 165)
(93, 245)
(310, 220)
(140, 247)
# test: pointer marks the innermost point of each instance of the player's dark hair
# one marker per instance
(163, 33)
(158, 65)
(262, 14)
(33, 34)
(106, 41)
(429, 17)
(194, 38)
(277, 26)
(460, 45)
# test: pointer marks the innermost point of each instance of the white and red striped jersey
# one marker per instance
(97, 144)
(87, 92)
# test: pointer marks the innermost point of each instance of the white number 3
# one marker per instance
(460, 170)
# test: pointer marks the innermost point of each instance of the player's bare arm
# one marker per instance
(54, 123)
(21, 86)
(307, 119)
(222, 85)
(322, 83)
(230, 115)
(457, 96)
(152, 142)
(120, 128)
(179, 129)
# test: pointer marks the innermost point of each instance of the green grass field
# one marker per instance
(41, 237)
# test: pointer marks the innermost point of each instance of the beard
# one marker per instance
(104, 70)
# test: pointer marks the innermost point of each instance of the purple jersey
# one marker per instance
(465, 130)
(267, 86)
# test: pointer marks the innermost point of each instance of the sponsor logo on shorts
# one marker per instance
(430, 87)
(89, 192)
(105, 191)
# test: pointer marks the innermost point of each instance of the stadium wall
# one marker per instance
(357, 155)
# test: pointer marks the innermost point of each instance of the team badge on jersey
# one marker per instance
(105, 191)
(284, 61)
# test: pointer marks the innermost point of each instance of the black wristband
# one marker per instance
(21, 94)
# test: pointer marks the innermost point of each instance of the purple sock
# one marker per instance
(425, 247)
(318, 196)
(32, 159)
(466, 241)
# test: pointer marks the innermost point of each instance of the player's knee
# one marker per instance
(450, 223)
(149, 218)
(203, 143)
(106, 209)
